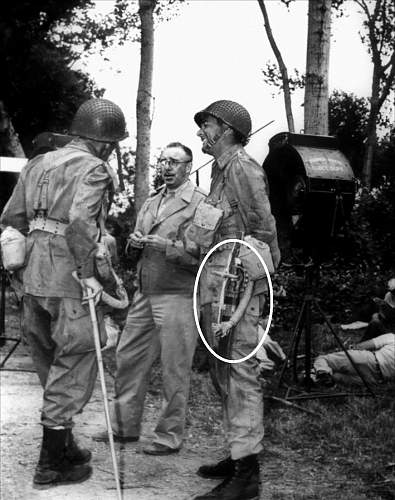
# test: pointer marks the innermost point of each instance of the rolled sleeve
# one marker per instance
(383, 340)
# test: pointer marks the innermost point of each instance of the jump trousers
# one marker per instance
(243, 406)
(59, 334)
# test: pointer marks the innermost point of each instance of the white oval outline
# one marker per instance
(212, 250)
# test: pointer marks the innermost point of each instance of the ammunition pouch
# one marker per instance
(251, 263)
(205, 224)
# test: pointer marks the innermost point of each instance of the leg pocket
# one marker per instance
(74, 332)
(246, 332)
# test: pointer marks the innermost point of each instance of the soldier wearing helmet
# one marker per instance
(239, 190)
(59, 204)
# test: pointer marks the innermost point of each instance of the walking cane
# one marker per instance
(96, 337)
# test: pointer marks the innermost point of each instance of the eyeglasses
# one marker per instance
(171, 162)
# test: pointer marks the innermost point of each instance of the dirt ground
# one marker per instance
(144, 477)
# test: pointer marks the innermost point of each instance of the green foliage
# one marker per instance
(347, 121)
(363, 256)
(39, 90)
(158, 178)
(39, 43)
(272, 76)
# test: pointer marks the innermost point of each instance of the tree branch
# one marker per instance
(281, 64)
(364, 7)
(389, 81)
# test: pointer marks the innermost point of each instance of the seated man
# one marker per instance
(375, 359)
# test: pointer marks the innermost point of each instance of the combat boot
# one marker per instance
(220, 470)
(242, 484)
(53, 466)
(75, 454)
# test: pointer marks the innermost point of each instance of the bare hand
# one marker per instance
(222, 329)
(92, 289)
(155, 241)
(136, 240)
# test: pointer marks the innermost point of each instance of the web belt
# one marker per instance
(47, 225)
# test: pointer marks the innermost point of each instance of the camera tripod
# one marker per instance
(304, 324)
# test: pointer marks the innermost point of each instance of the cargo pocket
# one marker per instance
(77, 329)
(246, 332)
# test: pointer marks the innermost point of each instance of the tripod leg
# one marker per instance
(300, 325)
(307, 340)
(294, 344)
(344, 349)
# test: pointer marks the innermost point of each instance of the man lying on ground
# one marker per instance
(375, 359)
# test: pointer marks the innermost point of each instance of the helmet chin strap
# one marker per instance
(211, 142)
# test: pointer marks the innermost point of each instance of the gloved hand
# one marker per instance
(91, 289)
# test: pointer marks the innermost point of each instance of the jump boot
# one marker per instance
(220, 470)
(54, 467)
(75, 454)
(241, 484)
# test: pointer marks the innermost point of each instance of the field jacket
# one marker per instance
(75, 187)
(239, 188)
(174, 270)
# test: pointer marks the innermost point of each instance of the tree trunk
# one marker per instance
(380, 22)
(143, 103)
(317, 65)
(371, 131)
(10, 144)
(282, 66)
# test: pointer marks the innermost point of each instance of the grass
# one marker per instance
(350, 447)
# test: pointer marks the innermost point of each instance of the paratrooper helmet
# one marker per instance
(101, 120)
(233, 114)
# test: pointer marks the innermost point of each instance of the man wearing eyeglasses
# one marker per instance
(160, 320)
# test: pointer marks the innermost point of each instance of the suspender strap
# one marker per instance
(41, 195)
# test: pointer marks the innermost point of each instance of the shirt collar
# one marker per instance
(223, 160)
(185, 191)
(82, 146)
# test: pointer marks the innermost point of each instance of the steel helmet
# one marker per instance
(101, 120)
(231, 113)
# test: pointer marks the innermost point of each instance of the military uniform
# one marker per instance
(236, 175)
(59, 202)
(53, 191)
(160, 320)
